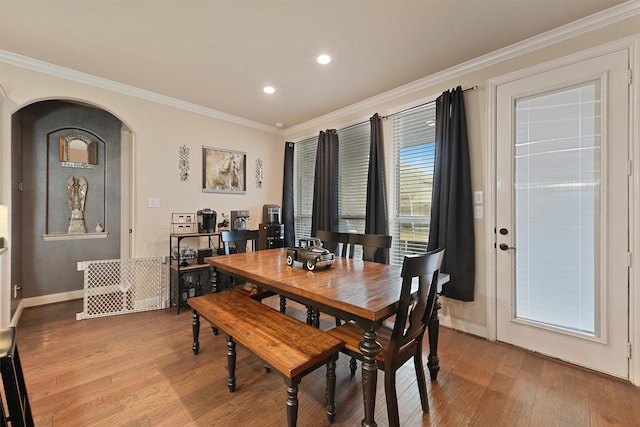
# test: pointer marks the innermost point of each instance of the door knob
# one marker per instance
(504, 247)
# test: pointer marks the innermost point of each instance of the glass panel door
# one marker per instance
(562, 213)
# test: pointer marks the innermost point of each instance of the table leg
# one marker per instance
(370, 349)
(196, 332)
(433, 362)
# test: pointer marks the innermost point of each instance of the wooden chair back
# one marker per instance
(238, 239)
(375, 247)
(414, 309)
(337, 242)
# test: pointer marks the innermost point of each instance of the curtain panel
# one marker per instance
(376, 220)
(325, 190)
(288, 202)
(451, 225)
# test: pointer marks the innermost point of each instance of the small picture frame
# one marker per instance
(223, 171)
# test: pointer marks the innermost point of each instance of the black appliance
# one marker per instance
(271, 231)
(206, 221)
(271, 214)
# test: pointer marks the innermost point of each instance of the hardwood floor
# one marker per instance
(138, 370)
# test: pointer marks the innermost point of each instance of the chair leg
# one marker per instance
(422, 382)
(353, 365)
(392, 397)
(331, 389)
(309, 315)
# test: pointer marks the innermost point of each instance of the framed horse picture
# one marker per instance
(223, 171)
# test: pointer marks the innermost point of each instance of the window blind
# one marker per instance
(353, 167)
(413, 144)
(304, 165)
(352, 177)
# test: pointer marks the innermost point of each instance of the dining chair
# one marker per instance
(403, 340)
(237, 241)
(375, 247)
(336, 241)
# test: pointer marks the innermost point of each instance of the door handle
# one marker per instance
(505, 247)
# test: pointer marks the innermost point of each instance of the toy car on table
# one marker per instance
(311, 254)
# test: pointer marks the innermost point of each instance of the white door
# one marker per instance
(562, 213)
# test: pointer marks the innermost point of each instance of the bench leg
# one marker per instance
(231, 360)
(292, 403)
(196, 332)
(331, 388)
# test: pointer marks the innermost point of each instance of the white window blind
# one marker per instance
(413, 144)
(304, 166)
(352, 177)
(558, 197)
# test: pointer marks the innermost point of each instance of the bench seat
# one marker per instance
(285, 344)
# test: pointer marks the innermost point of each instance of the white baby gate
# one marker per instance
(122, 286)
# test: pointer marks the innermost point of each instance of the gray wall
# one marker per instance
(50, 267)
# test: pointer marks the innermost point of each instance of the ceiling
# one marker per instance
(219, 54)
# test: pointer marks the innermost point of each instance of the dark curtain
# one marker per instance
(376, 213)
(287, 197)
(452, 205)
(325, 189)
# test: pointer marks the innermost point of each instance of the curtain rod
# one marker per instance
(397, 112)
(422, 105)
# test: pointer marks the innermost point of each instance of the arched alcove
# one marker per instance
(52, 141)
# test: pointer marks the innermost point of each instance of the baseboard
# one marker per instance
(50, 299)
(463, 326)
(43, 300)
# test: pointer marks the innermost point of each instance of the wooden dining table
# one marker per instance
(362, 291)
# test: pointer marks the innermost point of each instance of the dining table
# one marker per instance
(350, 289)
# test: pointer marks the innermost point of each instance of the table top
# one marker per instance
(352, 289)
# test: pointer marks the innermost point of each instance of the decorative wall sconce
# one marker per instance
(183, 162)
(258, 173)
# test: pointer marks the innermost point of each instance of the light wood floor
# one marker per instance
(138, 370)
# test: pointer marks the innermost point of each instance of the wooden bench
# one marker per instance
(285, 344)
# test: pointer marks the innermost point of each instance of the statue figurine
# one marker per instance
(76, 194)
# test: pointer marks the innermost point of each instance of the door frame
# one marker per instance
(632, 45)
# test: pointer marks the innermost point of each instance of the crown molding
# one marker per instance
(88, 79)
(573, 29)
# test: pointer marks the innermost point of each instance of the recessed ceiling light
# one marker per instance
(323, 59)
(269, 89)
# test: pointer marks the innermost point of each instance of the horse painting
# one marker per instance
(225, 171)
